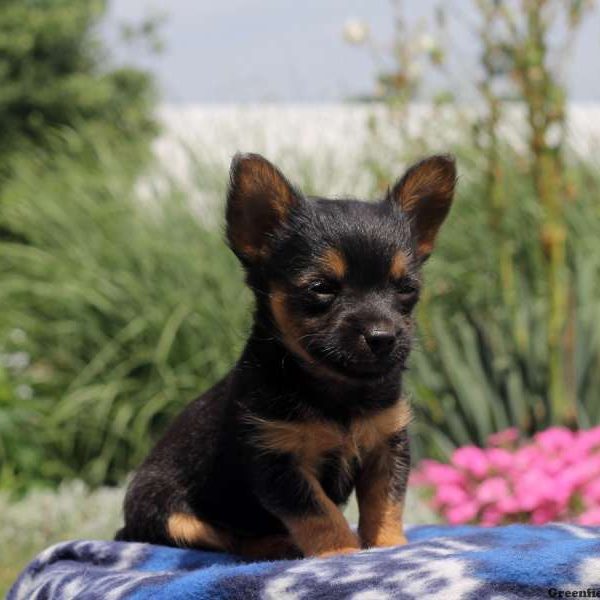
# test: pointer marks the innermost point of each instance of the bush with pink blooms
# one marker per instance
(553, 477)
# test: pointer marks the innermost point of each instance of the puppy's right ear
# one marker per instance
(425, 194)
(259, 201)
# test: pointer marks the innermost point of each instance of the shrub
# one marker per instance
(483, 361)
(114, 315)
(126, 303)
(554, 477)
(510, 335)
(55, 74)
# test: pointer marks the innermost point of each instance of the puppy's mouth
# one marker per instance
(361, 370)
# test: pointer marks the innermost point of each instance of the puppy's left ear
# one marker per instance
(425, 193)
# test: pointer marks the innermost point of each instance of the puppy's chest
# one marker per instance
(324, 447)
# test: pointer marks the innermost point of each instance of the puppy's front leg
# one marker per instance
(380, 490)
(293, 494)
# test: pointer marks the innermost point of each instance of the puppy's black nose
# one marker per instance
(380, 341)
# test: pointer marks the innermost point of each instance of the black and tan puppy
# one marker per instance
(261, 463)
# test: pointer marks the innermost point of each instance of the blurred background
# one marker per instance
(119, 301)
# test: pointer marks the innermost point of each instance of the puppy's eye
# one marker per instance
(407, 290)
(324, 291)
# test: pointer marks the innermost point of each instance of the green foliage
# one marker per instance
(483, 360)
(120, 307)
(115, 314)
(510, 326)
(119, 311)
(54, 75)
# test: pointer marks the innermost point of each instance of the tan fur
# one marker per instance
(380, 522)
(310, 440)
(328, 533)
(428, 178)
(315, 535)
(286, 323)
(334, 263)
(375, 430)
(306, 440)
(188, 530)
(431, 181)
(398, 265)
(325, 534)
(291, 331)
(261, 203)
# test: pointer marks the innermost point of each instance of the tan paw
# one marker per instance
(346, 550)
(386, 542)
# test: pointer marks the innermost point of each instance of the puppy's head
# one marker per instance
(337, 280)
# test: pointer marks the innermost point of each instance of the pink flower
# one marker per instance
(554, 477)
(560, 494)
(576, 453)
(591, 492)
(451, 495)
(463, 513)
(491, 516)
(554, 466)
(589, 439)
(544, 514)
(580, 473)
(491, 490)
(554, 439)
(508, 505)
(533, 489)
(507, 437)
(472, 459)
(590, 517)
(500, 459)
(439, 474)
(527, 456)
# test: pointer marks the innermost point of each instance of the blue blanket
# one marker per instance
(518, 561)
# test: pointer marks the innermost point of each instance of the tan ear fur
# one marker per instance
(258, 202)
(425, 193)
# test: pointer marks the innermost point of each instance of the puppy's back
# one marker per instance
(182, 461)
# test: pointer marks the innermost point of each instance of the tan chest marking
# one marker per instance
(309, 441)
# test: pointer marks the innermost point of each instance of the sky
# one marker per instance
(238, 51)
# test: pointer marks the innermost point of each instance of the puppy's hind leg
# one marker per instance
(191, 532)
(187, 530)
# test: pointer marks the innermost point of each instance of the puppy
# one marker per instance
(261, 463)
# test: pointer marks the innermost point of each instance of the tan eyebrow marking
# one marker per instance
(398, 265)
(334, 263)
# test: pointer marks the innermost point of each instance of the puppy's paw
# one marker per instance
(338, 551)
(386, 541)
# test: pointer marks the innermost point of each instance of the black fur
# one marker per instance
(207, 463)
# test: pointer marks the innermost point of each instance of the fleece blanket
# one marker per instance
(518, 561)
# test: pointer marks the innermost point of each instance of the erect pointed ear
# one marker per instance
(425, 193)
(258, 202)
